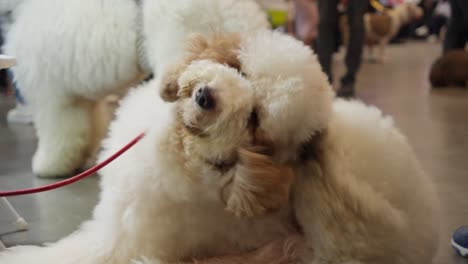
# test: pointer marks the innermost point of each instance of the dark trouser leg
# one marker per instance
(457, 31)
(436, 25)
(356, 11)
(326, 40)
(3, 73)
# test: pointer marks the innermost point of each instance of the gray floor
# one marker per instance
(436, 123)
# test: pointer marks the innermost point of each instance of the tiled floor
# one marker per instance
(435, 121)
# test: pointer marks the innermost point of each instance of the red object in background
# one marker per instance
(396, 2)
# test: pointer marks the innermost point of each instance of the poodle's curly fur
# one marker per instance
(345, 185)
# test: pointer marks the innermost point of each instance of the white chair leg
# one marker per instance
(20, 223)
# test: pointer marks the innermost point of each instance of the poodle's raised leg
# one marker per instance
(63, 130)
(345, 220)
(281, 251)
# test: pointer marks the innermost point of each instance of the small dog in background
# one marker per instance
(451, 69)
(381, 27)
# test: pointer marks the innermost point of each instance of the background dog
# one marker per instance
(381, 27)
(451, 69)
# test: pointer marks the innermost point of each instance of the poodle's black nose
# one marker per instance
(204, 98)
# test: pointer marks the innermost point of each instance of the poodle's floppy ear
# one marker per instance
(260, 185)
(169, 89)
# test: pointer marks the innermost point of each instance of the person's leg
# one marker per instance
(455, 37)
(356, 11)
(463, 4)
(3, 72)
(326, 40)
(438, 24)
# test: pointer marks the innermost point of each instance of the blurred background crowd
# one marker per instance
(327, 25)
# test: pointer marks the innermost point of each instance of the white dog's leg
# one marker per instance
(63, 128)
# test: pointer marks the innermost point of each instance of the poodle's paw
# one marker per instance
(289, 250)
(260, 185)
(144, 260)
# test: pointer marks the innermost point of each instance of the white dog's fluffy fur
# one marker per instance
(72, 53)
(359, 194)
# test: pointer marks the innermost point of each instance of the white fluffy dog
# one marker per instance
(245, 114)
(72, 53)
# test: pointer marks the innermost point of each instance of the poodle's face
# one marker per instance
(214, 101)
(215, 109)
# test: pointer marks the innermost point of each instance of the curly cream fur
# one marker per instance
(358, 195)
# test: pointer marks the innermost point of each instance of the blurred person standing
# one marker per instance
(457, 29)
(303, 19)
(326, 41)
(21, 113)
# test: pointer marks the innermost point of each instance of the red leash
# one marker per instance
(75, 178)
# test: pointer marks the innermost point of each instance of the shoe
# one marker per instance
(432, 39)
(422, 31)
(346, 91)
(460, 241)
(21, 114)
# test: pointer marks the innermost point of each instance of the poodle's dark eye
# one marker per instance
(253, 121)
(225, 165)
